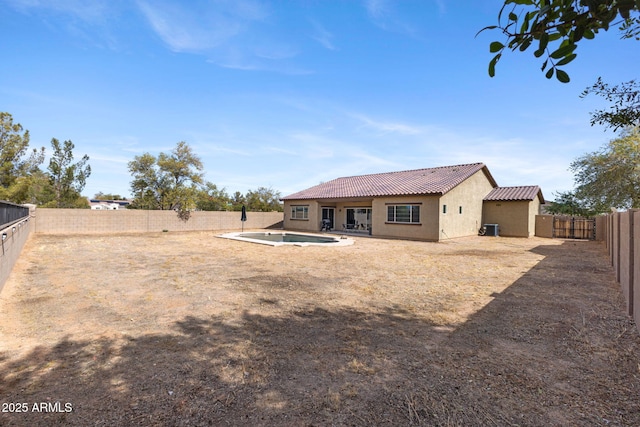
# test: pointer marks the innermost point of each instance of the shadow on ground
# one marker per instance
(553, 349)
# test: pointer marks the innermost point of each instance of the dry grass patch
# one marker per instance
(189, 329)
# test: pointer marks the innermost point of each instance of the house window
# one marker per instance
(459, 209)
(300, 212)
(403, 213)
(444, 209)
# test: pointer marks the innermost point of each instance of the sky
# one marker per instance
(288, 94)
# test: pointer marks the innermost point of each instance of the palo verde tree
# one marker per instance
(167, 182)
(610, 178)
(67, 178)
(554, 28)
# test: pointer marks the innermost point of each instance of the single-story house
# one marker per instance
(426, 204)
(97, 204)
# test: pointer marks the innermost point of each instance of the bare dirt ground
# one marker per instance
(177, 329)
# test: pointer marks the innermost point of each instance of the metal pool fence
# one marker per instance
(10, 213)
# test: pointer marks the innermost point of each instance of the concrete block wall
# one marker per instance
(625, 268)
(87, 221)
(622, 241)
(15, 236)
(601, 228)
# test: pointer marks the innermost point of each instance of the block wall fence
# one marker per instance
(87, 221)
(13, 239)
(622, 238)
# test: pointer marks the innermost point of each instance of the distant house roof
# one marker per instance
(437, 180)
(506, 194)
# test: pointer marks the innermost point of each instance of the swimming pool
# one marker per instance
(279, 238)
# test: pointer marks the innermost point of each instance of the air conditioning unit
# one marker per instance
(492, 230)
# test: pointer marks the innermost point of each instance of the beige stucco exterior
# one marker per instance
(514, 218)
(463, 216)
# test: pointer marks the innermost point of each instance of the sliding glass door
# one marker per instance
(359, 218)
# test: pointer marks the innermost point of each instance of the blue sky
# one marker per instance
(288, 94)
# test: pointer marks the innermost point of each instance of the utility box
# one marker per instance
(492, 230)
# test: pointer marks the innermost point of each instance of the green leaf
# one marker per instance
(492, 65)
(513, 16)
(525, 45)
(555, 36)
(495, 47)
(562, 76)
(588, 34)
(566, 60)
(563, 51)
(544, 41)
(549, 73)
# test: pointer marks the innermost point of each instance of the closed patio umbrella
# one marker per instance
(243, 217)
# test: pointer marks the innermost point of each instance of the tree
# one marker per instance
(14, 162)
(211, 198)
(263, 200)
(625, 111)
(168, 182)
(67, 178)
(107, 196)
(555, 27)
(610, 177)
(567, 203)
(237, 201)
(34, 188)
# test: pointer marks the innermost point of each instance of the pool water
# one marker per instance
(288, 237)
(285, 238)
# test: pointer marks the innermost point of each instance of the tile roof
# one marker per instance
(528, 192)
(437, 180)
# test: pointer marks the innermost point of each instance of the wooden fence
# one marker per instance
(571, 227)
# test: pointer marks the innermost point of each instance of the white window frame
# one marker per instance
(413, 209)
(300, 212)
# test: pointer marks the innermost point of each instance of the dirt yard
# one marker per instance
(177, 329)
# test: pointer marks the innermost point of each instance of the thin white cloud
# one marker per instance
(376, 8)
(387, 17)
(231, 34)
(322, 36)
(87, 11)
(386, 126)
(196, 29)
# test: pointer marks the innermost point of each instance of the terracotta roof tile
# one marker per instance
(437, 180)
(529, 192)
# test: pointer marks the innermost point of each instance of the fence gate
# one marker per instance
(565, 227)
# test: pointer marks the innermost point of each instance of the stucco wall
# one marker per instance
(544, 226)
(76, 221)
(468, 196)
(534, 209)
(312, 223)
(514, 218)
(427, 229)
